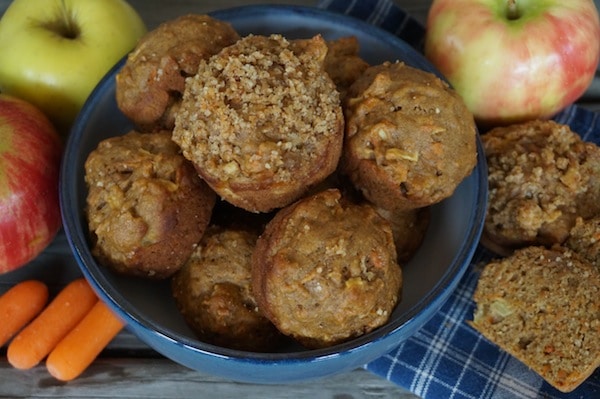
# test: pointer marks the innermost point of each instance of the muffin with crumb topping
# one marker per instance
(262, 121)
(584, 239)
(542, 176)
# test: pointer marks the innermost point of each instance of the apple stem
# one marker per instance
(70, 28)
(512, 11)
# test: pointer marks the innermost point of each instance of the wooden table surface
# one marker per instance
(130, 369)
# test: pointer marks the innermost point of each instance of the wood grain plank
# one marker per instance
(129, 368)
(160, 378)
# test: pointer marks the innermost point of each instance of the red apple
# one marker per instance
(514, 60)
(30, 154)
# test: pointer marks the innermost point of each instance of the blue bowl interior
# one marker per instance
(148, 308)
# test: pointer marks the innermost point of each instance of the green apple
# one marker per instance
(54, 52)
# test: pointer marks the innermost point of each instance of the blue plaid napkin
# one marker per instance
(447, 358)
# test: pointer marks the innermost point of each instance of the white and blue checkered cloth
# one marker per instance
(447, 358)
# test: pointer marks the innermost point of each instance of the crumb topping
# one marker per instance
(540, 173)
(258, 110)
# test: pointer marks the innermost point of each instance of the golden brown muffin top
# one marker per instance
(131, 174)
(223, 256)
(584, 239)
(343, 62)
(146, 206)
(150, 84)
(326, 270)
(541, 177)
(212, 290)
(258, 110)
(407, 129)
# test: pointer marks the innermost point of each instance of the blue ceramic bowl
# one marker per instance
(148, 307)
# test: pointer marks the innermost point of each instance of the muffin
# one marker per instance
(324, 270)
(212, 291)
(150, 85)
(584, 239)
(410, 140)
(541, 306)
(541, 176)
(408, 228)
(261, 122)
(146, 206)
(343, 62)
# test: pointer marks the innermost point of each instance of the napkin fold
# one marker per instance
(446, 358)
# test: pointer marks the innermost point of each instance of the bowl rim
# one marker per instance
(410, 320)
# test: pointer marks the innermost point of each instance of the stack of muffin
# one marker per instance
(280, 184)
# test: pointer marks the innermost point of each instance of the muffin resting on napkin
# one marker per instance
(541, 306)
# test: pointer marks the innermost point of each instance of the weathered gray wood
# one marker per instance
(130, 369)
(159, 378)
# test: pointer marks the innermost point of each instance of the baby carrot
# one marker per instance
(19, 305)
(36, 340)
(78, 349)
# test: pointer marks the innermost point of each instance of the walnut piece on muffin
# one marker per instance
(146, 206)
(541, 176)
(410, 139)
(541, 306)
(213, 292)
(325, 271)
(262, 122)
(150, 85)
